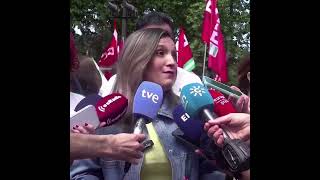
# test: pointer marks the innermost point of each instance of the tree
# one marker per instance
(234, 19)
(92, 18)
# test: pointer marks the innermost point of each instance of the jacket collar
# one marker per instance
(167, 107)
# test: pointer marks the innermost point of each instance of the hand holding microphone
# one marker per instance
(86, 129)
(127, 147)
(119, 146)
(198, 102)
(109, 110)
(238, 124)
(223, 107)
(242, 103)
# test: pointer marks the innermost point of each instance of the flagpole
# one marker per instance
(204, 59)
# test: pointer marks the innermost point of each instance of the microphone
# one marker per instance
(191, 132)
(197, 102)
(111, 108)
(146, 104)
(191, 128)
(221, 105)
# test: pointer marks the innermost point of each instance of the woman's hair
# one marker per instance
(138, 51)
(88, 76)
(243, 70)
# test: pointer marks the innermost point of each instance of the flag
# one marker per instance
(108, 74)
(208, 22)
(110, 53)
(217, 60)
(184, 57)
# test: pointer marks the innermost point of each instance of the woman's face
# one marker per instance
(162, 69)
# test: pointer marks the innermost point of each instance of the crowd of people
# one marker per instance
(149, 54)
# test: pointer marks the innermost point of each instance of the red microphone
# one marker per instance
(111, 108)
(221, 105)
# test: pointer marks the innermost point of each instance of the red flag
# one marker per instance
(208, 22)
(110, 53)
(217, 60)
(185, 59)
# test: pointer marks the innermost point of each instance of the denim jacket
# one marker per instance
(178, 154)
(183, 160)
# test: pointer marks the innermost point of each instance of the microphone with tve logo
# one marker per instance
(198, 102)
(146, 104)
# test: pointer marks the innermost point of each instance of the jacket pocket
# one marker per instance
(112, 169)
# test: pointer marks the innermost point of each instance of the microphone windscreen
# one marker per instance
(111, 108)
(195, 97)
(147, 100)
(191, 127)
(221, 105)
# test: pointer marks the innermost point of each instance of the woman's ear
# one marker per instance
(248, 76)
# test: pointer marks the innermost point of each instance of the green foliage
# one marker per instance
(234, 19)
